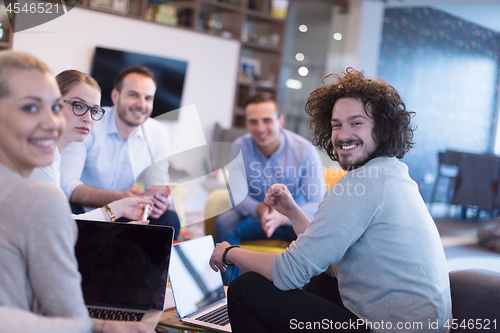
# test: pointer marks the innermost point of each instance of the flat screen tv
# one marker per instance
(169, 74)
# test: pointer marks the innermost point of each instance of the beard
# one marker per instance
(122, 114)
(348, 165)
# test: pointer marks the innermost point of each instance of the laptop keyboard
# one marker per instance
(109, 314)
(218, 317)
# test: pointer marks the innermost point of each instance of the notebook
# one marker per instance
(124, 269)
(198, 290)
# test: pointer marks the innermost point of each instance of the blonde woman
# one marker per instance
(38, 268)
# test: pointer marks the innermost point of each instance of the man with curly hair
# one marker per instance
(371, 259)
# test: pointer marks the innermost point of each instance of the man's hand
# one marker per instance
(159, 195)
(263, 209)
(272, 221)
(161, 205)
(279, 197)
(216, 258)
(132, 192)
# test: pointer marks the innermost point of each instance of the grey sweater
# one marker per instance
(375, 234)
(38, 268)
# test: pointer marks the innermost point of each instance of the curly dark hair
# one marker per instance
(393, 132)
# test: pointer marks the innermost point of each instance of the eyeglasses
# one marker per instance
(80, 108)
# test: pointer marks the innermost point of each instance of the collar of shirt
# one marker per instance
(112, 129)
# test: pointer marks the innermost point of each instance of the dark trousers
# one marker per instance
(169, 218)
(256, 305)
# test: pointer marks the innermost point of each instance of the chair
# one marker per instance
(477, 183)
(448, 169)
(332, 176)
(218, 202)
(475, 297)
(220, 155)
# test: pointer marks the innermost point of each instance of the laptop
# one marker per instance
(124, 269)
(198, 290)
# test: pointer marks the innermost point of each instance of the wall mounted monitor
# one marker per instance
(170, 75)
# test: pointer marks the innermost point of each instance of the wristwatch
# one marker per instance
(225, 252)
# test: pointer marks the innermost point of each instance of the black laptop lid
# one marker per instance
(123, 265)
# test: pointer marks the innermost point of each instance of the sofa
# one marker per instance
(475, 296)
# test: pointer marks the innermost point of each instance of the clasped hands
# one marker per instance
(277, 205)
(273, 211)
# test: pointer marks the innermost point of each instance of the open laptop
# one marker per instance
(198, 290)
(124, 269)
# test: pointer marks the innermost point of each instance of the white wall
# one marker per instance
(364, 36)
(68, 42)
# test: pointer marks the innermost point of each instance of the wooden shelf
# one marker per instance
(222, 5)
(262, 16)
(262, 47)
(6, 42)
(257, 86)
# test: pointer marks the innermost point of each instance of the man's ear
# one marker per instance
(282, 120)
(115, 94)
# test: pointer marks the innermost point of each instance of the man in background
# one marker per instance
(271, 155)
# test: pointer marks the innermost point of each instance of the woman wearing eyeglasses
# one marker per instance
(40, 287)
(80, 105)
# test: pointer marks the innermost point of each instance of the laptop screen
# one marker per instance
(123, 265)
(194, 284)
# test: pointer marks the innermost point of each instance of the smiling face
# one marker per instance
(78, 127)
(352, 133)
(264, 124)
(30, 121)
(134, 103)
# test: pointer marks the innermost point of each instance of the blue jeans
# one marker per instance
(233, 227)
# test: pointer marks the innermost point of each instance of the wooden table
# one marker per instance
(171, 320)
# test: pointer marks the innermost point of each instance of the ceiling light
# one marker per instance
(299, 56)
(303, 71)
(337, 36)
(303, 28)
(293, 84)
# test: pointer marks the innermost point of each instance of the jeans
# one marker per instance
(233, 227)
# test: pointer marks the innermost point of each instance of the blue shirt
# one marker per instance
(105, 161)
(296, 164)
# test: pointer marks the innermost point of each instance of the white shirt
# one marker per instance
(105, 161)
(52, 175)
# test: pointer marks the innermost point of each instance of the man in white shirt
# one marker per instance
(124, 144)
